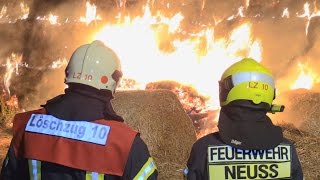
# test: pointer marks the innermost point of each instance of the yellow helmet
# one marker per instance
(94, 65)
(247, 80)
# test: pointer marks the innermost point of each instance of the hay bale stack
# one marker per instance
(307, 147)
(164, 126)
(302, 110)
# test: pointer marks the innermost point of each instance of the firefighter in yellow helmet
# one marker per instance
(78, 135)
(248, 145)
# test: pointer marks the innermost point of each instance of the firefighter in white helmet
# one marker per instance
(248, 145)
(78, 135)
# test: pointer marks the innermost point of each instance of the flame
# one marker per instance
(307, 13)
(306, 78)
(203, 4)
(59, 63)
(13, 102)
(91, 11)
(25, 11)
(247, 3)
(10, 67)
(3, 11)
(121, 3)
(151, 51)
(52, 19)
(285, 13)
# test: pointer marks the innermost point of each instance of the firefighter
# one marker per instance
(78, 135)
(248, 145)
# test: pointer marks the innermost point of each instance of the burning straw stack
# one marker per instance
(163, 124)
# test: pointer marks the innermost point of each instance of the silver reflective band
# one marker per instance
(77, 130)
(95, 175)
(146, 171)
(251, 76)
(148, 168)
(185, 171)
(34, 169)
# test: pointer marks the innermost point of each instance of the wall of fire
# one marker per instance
(37, 37)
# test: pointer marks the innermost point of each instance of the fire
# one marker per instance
(25, 11)
(3, 11)
(151, 51)
(91, 12)
(11, 65)
(285, 13)
(247, 3)
(53, 19)
(306, 79)
(307, 13)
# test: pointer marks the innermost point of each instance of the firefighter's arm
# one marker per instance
(9, 166)
(140, 164)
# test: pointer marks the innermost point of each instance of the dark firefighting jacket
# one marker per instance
(212, 158)
(198, 165)
(49, 155)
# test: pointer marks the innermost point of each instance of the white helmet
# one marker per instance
(94, 65)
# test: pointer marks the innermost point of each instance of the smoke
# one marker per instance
(284, 40)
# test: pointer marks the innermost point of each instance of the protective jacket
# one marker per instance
(198, 165)
(76, 136)
(213, 158)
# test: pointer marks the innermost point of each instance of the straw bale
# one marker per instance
(165, 127)
(302, 109)
(308, 149)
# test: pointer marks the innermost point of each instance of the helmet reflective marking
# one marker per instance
(239, 78)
